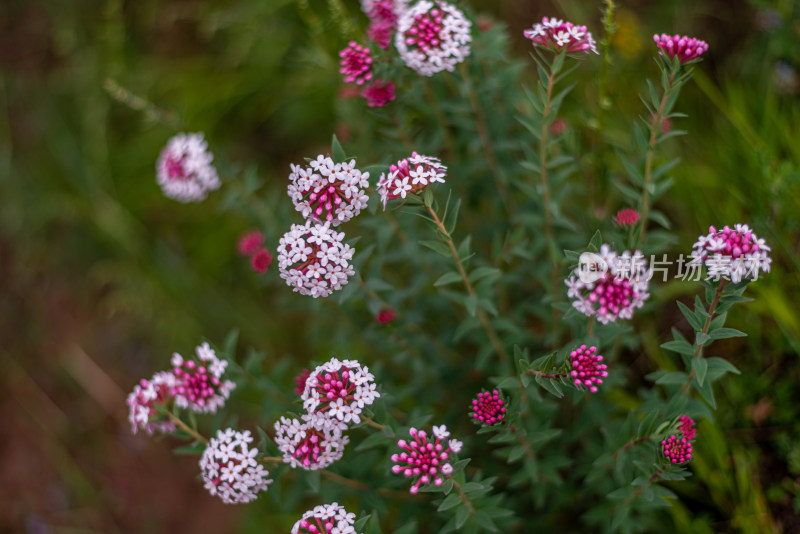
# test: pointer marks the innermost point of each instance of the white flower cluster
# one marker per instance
(327, 191)
(620, 286)
(340, 390)
(313, 260)
(184, 170)
(734, 253)
(326, 519)
(432, 37)
(141, 412)
(199, 385)
(230, 469)
(410, 175)
(315, 443)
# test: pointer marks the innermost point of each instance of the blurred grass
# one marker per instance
(93, 255)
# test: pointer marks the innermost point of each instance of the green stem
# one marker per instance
(546, 375)
(493, 337)
(373, 424)
(648, 165)
(183, 426)
(698, 351)
(463, 496)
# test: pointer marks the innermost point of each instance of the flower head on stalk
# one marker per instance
(684, 48)
(626, 217)
(423, 460)
(142, 413)
(326, 519)
(489, 408)
(386, 315)
(313, 260)
(410, 176)
(198, 382)
(261, 260)
(300, 381)
(230, 469)
(687, 427)
(327, 191)
(432, 37)
(339, 389)
(587, 367)
(555, 34)
(184, 170)
(614, 289)
(250, 242)
(356, 63)
(677, 450)
(734, 253)
(379, 93)
(313, 443)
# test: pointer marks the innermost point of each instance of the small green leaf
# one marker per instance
(451, 501)
(690, 316)
(339, 154)
(471, 303)
(700, 366)
(462, 514)
(437, 246)
(482, 272)
(447, 278)
(360, 522)
(720, 364)
(680, 346)
(725, 333)
(677, 377)
(702, 338)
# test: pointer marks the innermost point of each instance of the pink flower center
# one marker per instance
(308, 450)
(195, 383)
(736, 244)
(424, 32)
(328, 199)
(333, 386)
(316, 526)
(175, 168)
(612, 294)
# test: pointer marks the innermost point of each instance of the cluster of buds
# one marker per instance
(555, 34)
(410, 176)
(626, 217)
(587, 367)
(251, 245)
(356, 63)
(684, 48)
(195, 384)
(488, 408)
(677, 448)
(734, 253)
(184, 170)
(425, 461)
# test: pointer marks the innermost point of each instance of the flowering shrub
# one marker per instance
(529, 302)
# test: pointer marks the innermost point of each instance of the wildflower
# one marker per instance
(339, 389)
(261, 261)
(410, 175)
(677, 451)
(386, 316)
(356, 63)
(326, 519)
(684, 48)
(587, 369)
(687, 427)
(432, 37)
(184, 169)
(424, 460)
(379, 93)
(328, 191)
(557, 35)
(315, 443)
(141, 402)
(313, 260)
(198, 383)
(230, 469)
(558, 127)
(383, 18)
(618, 290)
(249, 242)
(734, 253)
(626, 217)
(300, 381)
(488, 408)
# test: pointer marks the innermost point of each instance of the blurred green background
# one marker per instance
(103, 278)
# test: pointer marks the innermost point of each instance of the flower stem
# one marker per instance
(631, 443)
(483, 132)
(355, 484)
(373, 424)
(493, 337)
(183, 426)
(270, 460)
(521, 439)
(546, 375)
(463, 496)
(648, 164)
(441, 120)
(698, 351)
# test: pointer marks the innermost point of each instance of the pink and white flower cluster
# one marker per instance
(620, 288)
(340, 390)
(327, 191)
(684, 48)
(356, 63)
(230, 469)
(326, 519)
(736, 253)
(423, 460)
(184, 170)
(196, 384)
(432, 37)
(313, 260)
(555, 34)
(409, 176)
(334, 395)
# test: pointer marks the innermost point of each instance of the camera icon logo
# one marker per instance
(591, 267)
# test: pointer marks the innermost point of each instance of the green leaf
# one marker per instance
(339, 154)
(707, 393)
(373, 440)
(374, 525)
(437, 246)
(725, 333)
(550, 385)
(677, 377)
(720, 364)
(451, 501)
(690, 316)
(700, 366)
(360, 522)
(471, 303)
(462, 514)
(482, 272)
(447, 278)
(680, 346)
(702, 338)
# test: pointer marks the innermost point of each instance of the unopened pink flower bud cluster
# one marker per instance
(251, 245)
(677, 448)
(588, 369)
(489, 408)
(425, 460)
(684, 48)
